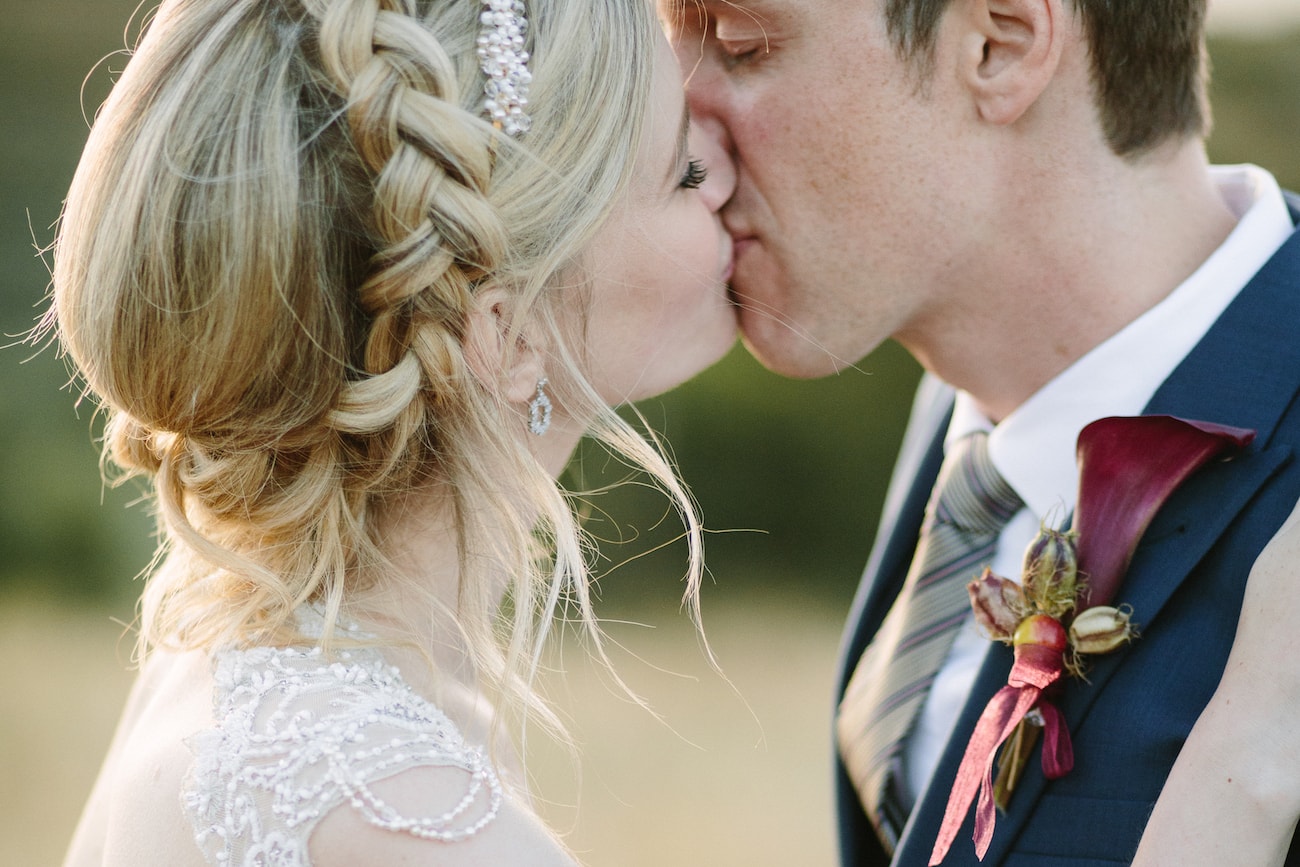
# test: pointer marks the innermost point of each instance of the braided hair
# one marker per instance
(264, 272)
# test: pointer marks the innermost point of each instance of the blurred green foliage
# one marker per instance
(789, 474)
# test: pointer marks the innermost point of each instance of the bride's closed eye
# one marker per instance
(694, 176)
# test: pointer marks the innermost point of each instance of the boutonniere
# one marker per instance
(1061, 610)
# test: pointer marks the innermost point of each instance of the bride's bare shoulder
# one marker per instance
(1267, 642)
(133, 815)
(1233, 796)
(1277, 567)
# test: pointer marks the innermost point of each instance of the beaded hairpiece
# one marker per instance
(504, 61)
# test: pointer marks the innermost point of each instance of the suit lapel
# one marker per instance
(1255, 340)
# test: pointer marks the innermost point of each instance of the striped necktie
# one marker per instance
(970, 505)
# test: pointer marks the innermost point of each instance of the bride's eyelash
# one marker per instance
(695, 175)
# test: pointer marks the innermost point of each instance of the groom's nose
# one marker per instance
(706, 96)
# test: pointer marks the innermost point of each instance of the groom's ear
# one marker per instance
(1010, 51)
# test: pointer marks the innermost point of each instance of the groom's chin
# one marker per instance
(791, 326)
(785, 349)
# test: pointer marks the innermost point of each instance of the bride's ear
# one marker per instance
(508, 359)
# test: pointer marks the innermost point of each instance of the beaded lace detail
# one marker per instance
(299, 733)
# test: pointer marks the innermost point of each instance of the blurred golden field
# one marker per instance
(735, 774)
(59, 699)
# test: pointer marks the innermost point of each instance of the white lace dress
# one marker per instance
(298, 734)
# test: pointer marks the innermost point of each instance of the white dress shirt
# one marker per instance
(1034, 447)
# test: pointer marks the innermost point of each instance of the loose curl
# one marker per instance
(264, 271)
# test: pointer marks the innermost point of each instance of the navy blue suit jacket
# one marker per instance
(1185, 585)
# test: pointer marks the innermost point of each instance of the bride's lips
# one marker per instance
(727, 256)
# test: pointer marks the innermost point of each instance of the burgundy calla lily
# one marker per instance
(1128, 467)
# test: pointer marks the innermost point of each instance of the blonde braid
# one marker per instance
(431, 162)
(438, 235)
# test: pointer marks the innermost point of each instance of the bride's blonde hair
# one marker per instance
(264, 272)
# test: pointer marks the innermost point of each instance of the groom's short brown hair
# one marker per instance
(1148, 63)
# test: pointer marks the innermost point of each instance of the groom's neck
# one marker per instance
(1073, 255)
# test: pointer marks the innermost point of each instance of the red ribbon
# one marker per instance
(1036, 668)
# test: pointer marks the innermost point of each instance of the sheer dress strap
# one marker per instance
(298, 734)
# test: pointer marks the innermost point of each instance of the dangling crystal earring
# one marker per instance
(539, 410)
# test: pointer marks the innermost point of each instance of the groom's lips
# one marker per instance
(739, 245)
(742, 237)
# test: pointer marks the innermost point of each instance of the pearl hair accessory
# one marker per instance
(504, 61)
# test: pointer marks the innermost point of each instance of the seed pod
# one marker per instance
(1051, 571)
(998, 604)
(1101, 629)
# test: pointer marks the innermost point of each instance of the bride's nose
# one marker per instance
(708, 147)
